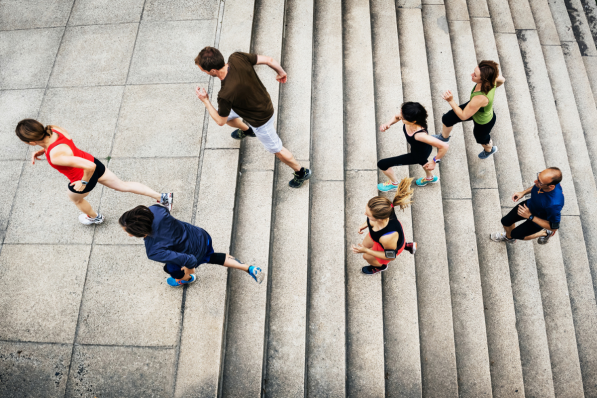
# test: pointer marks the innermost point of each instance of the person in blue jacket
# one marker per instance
(542, 211)
(180, 245)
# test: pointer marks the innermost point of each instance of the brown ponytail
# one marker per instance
(381, 208)
(30, 130)
(489, 73)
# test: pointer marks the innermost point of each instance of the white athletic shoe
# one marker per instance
(166, 200)
(500, 237)
(86, 220)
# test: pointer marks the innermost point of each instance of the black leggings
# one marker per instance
(523, 230)
(480, 131)
(403, 160)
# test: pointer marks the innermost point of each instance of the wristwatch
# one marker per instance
(531, 217)
(84, 182)
(436, 160)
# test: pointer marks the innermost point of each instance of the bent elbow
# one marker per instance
(221, 123)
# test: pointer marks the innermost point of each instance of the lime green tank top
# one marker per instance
(484, 114)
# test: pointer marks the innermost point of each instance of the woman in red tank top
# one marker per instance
(82, 169)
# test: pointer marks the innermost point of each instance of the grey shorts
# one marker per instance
(266, 134)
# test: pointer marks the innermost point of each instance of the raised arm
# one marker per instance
(387, 125)
(499, 81)
(471, 108)
(272, 63)
(204, 97)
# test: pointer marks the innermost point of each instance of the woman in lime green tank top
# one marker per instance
(479, 108)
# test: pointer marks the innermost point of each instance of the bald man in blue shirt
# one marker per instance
(542, 211)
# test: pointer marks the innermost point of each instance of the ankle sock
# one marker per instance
(300, 173)
(250, 130)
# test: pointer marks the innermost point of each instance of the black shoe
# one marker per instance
(371, 270)
(411, 247)
(297, 181)
(238, 134)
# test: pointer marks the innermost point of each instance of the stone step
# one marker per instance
(581, 230)
(364, 308)
(201, 347)
(500, 319)
(584, 38)
(438, 359)
(326, 315)
(530, 324)
(585, 102)
(287, 304)
(537, 94)
(590, 9)
(399, 288)
(470, 335)
(246, 336)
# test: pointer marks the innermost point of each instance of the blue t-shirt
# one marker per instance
(175, 242)
(547, 205)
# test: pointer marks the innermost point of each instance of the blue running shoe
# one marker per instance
(387, 186)
(484, 155)
(179, 282)
(441, 137)
(256, 274)
(421, 182)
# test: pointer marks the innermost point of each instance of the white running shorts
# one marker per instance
(266, 134)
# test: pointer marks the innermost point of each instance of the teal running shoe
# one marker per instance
(421, 182)
(387, 186)
(256, 274)
(179, 282)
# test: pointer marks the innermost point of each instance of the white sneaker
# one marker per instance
(86, 220)
(500, 237)
(166, 200)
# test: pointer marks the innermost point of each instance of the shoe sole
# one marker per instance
(259, 277)
(428, 182)
(91, 223)
(389, 190)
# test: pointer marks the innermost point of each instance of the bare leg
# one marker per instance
(238, 124)
(390, 173)
(232, 262)
(446, 131)
(428, 174)
(372, 260)
(536, 235)
(83, 205)
(488, 147)
(110, 180)
(288, 159)
(509, 230)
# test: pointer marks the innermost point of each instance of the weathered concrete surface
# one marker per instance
(121, 371)
(16, 105)
(167, 112)
(30, 369)
(177, 10)
(45, 308)
(399, 290)
(105, 12)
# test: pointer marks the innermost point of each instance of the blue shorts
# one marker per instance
(176, 271)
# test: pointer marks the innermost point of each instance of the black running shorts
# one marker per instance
(480, 131)
(100, 169)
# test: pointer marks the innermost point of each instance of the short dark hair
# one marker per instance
(556, 176)
(137, 221)
(210, 58)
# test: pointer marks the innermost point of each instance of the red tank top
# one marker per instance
(72, 173)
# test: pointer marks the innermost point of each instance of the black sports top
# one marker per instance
(393, 226)
(417, 147)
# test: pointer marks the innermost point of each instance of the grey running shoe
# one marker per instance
(238, 134)
(86, 220)
(441, 137)
(544, 239)
(297, 181)
(484, 155)
(166, 200)
(501, 237)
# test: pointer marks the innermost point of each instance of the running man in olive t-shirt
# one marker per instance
(243, 95)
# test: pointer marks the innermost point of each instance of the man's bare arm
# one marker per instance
(272, 63)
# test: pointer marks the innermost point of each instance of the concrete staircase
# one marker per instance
(464, 316)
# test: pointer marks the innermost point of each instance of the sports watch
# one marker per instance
(531, 217)
(84, 182)
(436, 160)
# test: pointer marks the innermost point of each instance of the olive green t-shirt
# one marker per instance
(243, 92)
